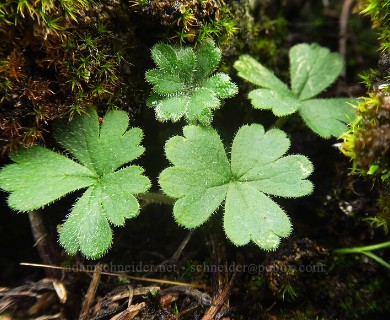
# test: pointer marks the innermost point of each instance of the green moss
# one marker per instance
(46, 13)
(191, 21)
(261, 33)
(379, 12)
(57, 58)
(91, 68)
(367, 141)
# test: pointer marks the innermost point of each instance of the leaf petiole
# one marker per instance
(155, 197)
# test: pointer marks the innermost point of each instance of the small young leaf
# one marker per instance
(40, 176)
(200, 104)
(183, 85)
(208, 57)
(202, 177)
(313, 69)
(186, 60)
(164, 82)
(221, 85)
(172, 108)
(164, 56)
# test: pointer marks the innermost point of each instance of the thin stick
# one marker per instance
(182, 246)
(90, 295)
(117, 274)
(176, 255)
(219, 299)
(343, 23)
(43, 243)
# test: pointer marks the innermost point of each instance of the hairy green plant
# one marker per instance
(312, 70)
(202, 177)
(183, 84)
(40, 176)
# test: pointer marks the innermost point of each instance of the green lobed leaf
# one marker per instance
(195, 208)
(276, 178)
(200, 149)
(221, 85)
(207, 59)
(328, 117)
(282, 103)
(164, 82)
(313, 69)
(40, 176)
(251, 215)
(111, 201)
(199, 105)
(248, 152)
(201, 178)
(254, 72)
(183, 85)
(101, 149)
(259, 163)
(85, 130)
(118, 191)
(87, 228)
(164, 56)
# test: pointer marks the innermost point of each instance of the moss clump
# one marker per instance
(288, 268)
(188, 21)
(57, 58)
(262, 32)
(29, 30)
(367, 142)
(379, 12)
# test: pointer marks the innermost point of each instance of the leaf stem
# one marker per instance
(279, 123)
(155, 197)
(377, 259)
(366, 250)
(363, 249)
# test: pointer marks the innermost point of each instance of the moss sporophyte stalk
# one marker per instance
(202, 176)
